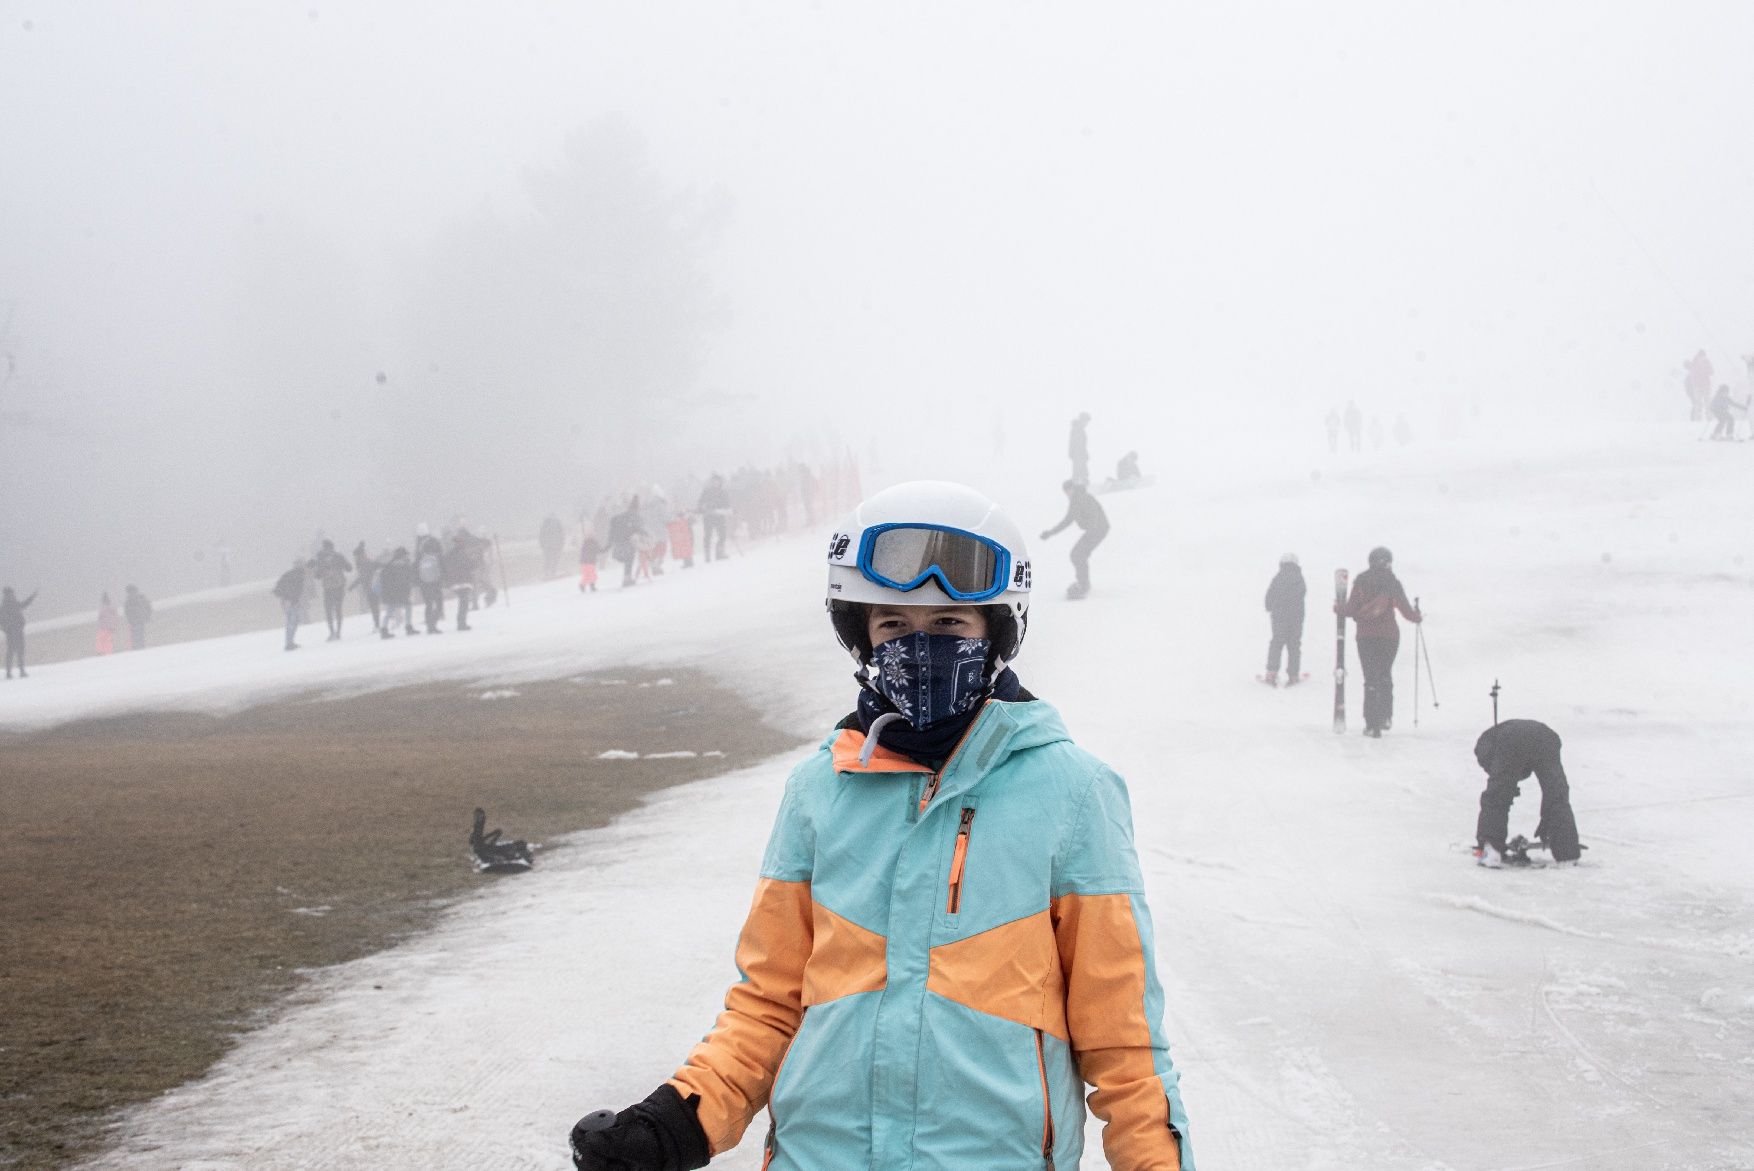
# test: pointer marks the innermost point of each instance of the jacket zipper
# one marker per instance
(959, 860)
(1047, 1105)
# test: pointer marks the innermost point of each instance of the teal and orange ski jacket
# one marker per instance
(936, 965)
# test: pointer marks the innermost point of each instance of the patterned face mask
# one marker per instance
(930, 677)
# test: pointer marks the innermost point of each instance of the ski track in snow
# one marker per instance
(1327, 1006)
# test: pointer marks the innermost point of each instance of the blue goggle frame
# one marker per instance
(1001, 575)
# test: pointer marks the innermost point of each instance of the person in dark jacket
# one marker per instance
(12, 625)
(290, 589)
(1078, 447)
(1082, 510)
(1376, 595)
(460, 576)
(624, 532)
(1285, 604)
(1509, 752)
(136, 609)
(715, 517)
(332, 571)
(396, 584)
(552, 538)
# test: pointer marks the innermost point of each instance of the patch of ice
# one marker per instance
(679, 754)
(617, 754)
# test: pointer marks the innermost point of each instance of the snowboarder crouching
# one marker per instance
(1082, 510)
(949, 940)
(1509, 752)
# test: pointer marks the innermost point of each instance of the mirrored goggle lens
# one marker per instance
(904, 557)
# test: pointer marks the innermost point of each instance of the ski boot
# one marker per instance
(1076, 590)
(1271, 679)
(1487, 856)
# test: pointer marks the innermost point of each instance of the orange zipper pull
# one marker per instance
(957, 861)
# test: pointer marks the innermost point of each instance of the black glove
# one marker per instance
(661, 1133)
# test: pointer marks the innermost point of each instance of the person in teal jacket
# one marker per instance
(949, 940)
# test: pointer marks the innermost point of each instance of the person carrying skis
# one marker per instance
(136, 608)
(12, 626)
(949, 939)
(1376, 595)
(1285, 605)
(1082, 509)
(1509, 751)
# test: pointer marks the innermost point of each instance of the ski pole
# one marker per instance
(1494, 694)
(1419, 640)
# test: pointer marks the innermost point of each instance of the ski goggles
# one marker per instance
(967, 566)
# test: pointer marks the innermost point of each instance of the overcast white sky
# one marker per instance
(1165, 214)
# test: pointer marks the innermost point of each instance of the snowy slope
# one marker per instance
(1345, 989)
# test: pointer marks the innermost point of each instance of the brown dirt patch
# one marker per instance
(164, 878)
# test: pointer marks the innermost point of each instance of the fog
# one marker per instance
(270, 269)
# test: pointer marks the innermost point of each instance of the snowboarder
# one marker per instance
(1376, 595)
(1078, 447)
(136, 609)
(590, 552)
(396, 583)
(1081, 508)
(332, 571)
(552, 538)
(290, 589)
(993, 944)
(12, 626)
(1285, 605)
(1509, 751)
(715, 517)
(109, 620)
(1698, 384)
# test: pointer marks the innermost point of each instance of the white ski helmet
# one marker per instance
(929, 543)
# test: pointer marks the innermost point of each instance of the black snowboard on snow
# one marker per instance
(493, 855)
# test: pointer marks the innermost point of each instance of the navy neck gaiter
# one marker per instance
(936, 683)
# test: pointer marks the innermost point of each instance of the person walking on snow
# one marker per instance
(590, 552)
(625, 531)
(1078, 447)
(109, 620)
(429, 574)
(290, 589)
(396, 583)
(459, 574)
(552, 538)
(1698, 383)
(332, 571)
(12, 626)
(715, 517)
(136, 609)
(1082, 509)
(1354, 426)
(1285, 605)
(1376, 595)
(949, 940)
(1509, 751)
(368, 584)
(1723, 409)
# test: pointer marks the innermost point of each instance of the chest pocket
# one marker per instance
(962, 865)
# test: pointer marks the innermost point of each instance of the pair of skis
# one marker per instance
(1341, 580)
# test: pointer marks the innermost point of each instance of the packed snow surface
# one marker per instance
(1345, 989)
